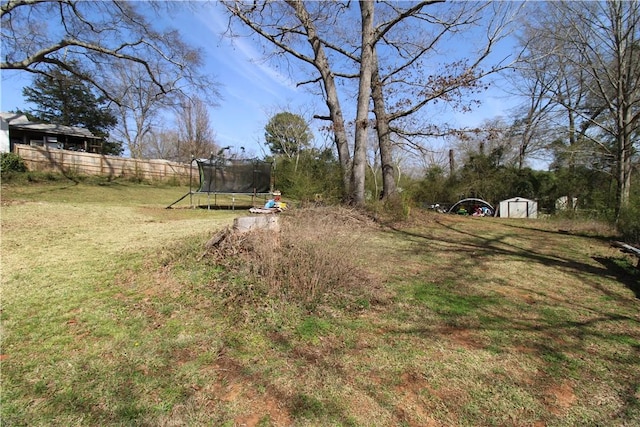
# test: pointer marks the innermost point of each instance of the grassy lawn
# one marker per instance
(114, 313)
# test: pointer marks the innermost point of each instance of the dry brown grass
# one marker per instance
(309, 261)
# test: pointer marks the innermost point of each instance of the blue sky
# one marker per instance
(252, 90)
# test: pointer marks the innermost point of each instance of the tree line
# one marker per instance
(485, 166)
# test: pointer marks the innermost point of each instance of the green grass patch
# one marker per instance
(442, 300)
(312, 327)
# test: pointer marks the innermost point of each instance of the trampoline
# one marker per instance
(232, 177)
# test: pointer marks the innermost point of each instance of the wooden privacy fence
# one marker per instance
(65, 161)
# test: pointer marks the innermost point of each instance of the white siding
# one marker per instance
(4, 136)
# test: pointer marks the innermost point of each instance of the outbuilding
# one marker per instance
(518, 207)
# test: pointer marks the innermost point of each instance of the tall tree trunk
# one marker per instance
(624, 149)
(452, 163)
(626, 96)
(362, 113)
(389, 189)
(573, 141)
(321, 63)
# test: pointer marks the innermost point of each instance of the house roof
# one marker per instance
(20, 121)
(14, 118)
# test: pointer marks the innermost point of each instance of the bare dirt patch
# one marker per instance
(234, 385)
(462, 337)
(560, 397)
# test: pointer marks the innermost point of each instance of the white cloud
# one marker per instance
(242, 59)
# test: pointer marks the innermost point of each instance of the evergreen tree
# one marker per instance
(65, 99)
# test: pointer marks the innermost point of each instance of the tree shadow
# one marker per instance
(480, 247)
(626, 276)
(561, 231)
(54, 189)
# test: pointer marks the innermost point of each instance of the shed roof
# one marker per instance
(56, 129)
(518, 199)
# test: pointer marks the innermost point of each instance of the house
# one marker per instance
(17, 129)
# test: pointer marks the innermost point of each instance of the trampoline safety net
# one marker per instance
(234, 176)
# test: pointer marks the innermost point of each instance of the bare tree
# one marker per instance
(98, 34)
(138, 107)
(409, 88)
(293, 31)
(195, 135)
(531, 79)
(140, 69)
(597, 58)
(373, 159)
(191, 136)
(384, 133)
(160, 144)
(367, 45)
(493, 137)
(335, 48)
(530, 116)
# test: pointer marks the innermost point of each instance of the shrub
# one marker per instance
(395, 209)
(628, 224)
(314, 173)
(11, 162)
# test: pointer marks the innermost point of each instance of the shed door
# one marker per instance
(518, 209)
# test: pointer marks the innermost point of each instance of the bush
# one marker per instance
(391, 210)
(11, 162)
(315, 174)
(628, 224)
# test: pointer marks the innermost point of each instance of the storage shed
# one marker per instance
(518, 207)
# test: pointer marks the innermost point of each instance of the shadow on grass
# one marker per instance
(297, 402)
(481, 247)
(548, 326)
(626, 275)
(56, 187)
(562, 232)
